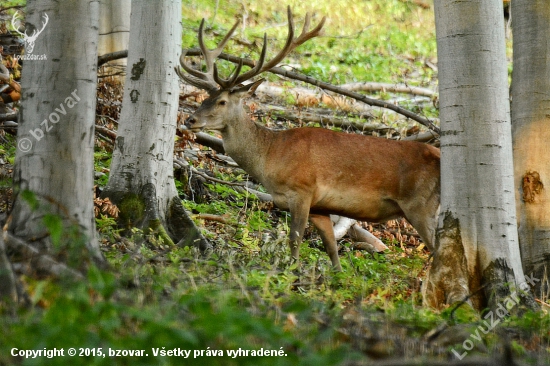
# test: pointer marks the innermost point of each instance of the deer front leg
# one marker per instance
(299, 212)
(324, 226)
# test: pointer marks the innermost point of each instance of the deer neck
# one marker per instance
(247, 143)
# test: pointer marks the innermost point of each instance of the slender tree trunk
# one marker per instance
(114, 27)
(477, 242)
(531, 134)
(54, 159)
(141, 180)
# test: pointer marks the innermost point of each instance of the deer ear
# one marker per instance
(255, 86)
(248, 88)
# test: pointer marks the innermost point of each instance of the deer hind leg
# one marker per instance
(424, 220)
(324, 226)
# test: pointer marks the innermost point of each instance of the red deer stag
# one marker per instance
(315, 172)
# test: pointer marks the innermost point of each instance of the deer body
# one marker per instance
(314, 172)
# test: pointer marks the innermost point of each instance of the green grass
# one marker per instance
(378, 40)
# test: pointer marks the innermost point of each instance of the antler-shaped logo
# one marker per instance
(29, 40)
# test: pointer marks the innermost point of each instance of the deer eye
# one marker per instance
(222, 102)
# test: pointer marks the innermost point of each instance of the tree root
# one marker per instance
(155, 226)
(39, 262)
(8, 289)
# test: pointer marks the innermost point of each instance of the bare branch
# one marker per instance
(390, 88)
(423, 137)
(11, 7)
(111, 56)
(8, 117)
(4, 73)
(291, 75)
(210, 141)
(224, 219)
(104, 130)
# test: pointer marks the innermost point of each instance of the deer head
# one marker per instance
(226, 94)
(29, 40)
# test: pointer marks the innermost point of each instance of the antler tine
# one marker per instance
(305, 35)
(201, 84)
(292, 43)
(46, 18)
(211, 79)
(189, 68)
(198, 79)
(255, 70)
(204, 80)
(232, 80)
(16, 28)
(211, 55)
(288, 45)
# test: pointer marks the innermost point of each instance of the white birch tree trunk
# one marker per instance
(141, 181)
(54, 159)
(477, 240)
(531, 134)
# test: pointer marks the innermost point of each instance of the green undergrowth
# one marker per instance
(246, 294)
(99, 316)
(232, 298)
(369, 41)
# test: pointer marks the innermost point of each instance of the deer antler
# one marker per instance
(210, 79)
(35, 33)
(204, 80)
(15, 27)
(291, 42)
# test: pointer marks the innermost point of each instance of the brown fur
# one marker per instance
(315, 172)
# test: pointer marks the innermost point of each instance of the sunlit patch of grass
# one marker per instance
(363, 41)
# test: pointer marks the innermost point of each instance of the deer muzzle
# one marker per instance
(192, 124)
